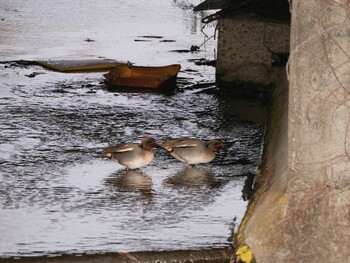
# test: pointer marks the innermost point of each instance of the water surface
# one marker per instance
(57, 192)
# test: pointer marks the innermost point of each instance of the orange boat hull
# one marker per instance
(141, 77)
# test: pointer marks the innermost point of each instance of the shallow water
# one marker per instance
(57, 192)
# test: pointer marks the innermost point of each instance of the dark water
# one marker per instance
(57, 193)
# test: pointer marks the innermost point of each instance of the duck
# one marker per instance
(132, 155)
(192, 151)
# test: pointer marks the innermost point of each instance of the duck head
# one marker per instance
(215, 145)
(148, 143)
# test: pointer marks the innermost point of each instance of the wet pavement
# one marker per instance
(58, 194)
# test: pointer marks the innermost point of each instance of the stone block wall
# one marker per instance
(247, 49)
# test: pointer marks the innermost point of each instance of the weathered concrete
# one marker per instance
(247, 50)
(270, 198)
(301, 208)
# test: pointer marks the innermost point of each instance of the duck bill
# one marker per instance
(109, 155)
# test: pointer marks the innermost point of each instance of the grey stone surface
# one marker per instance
(246, 47)
(301, 210)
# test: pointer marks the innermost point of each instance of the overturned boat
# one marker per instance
(127, 75)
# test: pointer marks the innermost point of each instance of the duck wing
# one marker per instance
(121, 148)
(172, 144)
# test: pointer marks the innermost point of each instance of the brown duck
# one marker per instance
(192, 150)
(132, 155)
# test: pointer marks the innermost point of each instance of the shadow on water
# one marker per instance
(195, 256)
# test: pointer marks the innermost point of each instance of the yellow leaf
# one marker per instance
(244, 254)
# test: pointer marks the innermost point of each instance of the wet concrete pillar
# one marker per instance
(300, 211)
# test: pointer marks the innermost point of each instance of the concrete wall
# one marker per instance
(260, 226)
(300, 211)
(246, 47)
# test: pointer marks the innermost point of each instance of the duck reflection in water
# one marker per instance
(131, 181)
(193, 177)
